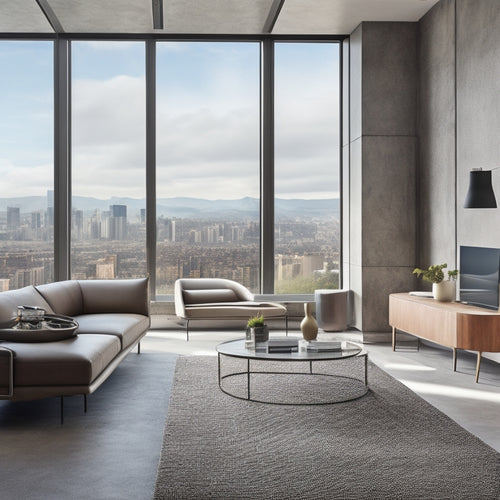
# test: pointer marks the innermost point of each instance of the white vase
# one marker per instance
(309, 326)
(444, 291)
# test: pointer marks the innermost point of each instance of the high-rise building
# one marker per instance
(50, 207)
(25, 277)
(77, 223)
(13, 217)
(118, 222)
(106, 268)
(36, 220)
(170, 226)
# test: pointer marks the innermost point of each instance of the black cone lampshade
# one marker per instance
(480, 193)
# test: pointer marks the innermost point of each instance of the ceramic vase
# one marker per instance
(308, 325)
(444, 291)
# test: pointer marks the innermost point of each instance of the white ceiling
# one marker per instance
(241, 17)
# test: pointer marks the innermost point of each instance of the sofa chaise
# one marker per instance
(220, 299)
(112, 316)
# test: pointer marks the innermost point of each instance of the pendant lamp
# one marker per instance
(480, 193)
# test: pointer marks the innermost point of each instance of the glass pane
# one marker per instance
(108, 222)
(307, 142)
(26, 163)
(207, 162)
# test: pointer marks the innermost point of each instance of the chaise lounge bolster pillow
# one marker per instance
(209, 296)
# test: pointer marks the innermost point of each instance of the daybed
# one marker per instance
(113, 316)
(220, 299)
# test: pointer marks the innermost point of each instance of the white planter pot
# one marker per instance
(445, 291)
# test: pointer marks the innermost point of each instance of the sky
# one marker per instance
(207, 119)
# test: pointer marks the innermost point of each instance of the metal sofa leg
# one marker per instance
(85, 403)
(187, 330)
(138, 348)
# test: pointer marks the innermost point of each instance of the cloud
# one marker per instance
(19, 180)
(208, 126)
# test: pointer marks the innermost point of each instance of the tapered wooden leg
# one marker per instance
(454, 359)
(478, 365)
(393, 339)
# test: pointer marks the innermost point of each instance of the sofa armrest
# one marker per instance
(180, 310)
(115, 296)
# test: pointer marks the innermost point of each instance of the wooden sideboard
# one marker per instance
(451, 324)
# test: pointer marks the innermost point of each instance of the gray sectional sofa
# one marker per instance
(113, 316)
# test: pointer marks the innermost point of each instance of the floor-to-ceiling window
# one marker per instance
(307, 170)
(26, 163)
(207, 169)
(108, 220)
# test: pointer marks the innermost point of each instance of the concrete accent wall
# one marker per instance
(382, 153)
(459, 59)
(436, 130)
(478, 114)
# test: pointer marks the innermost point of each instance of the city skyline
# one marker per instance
(110, 245)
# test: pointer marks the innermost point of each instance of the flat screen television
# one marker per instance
(480, 276)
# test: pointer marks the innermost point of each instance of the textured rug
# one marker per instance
(388, 444)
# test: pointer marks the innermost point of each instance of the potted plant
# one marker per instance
(257, 331)
(442, 290)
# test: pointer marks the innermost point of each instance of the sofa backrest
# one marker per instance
(65, 297)
(27, 296)
(192, 291)
(115, 296)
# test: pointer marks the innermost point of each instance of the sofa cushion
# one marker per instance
(75, 361)
(236, 310)
(209, 296)
(27, 296)
(126, 327)
(65, 297)
(115, 296)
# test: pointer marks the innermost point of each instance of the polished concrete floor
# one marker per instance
(428, 372)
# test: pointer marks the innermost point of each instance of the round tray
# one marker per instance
(54, 328)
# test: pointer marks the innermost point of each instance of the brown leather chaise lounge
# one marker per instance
(113, 316)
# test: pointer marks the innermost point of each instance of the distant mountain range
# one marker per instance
(196, 208)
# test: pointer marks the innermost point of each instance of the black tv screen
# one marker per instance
(480, 276)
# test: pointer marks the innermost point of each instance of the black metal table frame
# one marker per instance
(249, 372)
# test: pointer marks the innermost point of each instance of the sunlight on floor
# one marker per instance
(452, 392)
(409, 368)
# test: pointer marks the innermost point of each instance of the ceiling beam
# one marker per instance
(157, 14)
(272, 17)
(50, 15)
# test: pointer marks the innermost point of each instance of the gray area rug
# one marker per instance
(388, 444)
(111, 452)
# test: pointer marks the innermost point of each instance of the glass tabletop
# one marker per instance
(237, 349)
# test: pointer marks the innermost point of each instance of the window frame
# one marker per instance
(62, 143)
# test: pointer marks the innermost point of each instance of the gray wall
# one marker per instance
(436, 130)
(382, 148)
(459, 125)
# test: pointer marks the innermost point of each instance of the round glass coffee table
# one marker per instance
(266, 383)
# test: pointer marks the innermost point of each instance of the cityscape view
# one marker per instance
(201, 238)
(209, 174)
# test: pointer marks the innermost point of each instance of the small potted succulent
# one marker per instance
(257, 331)
(442, 290)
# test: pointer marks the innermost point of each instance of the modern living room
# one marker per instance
(419, 111)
